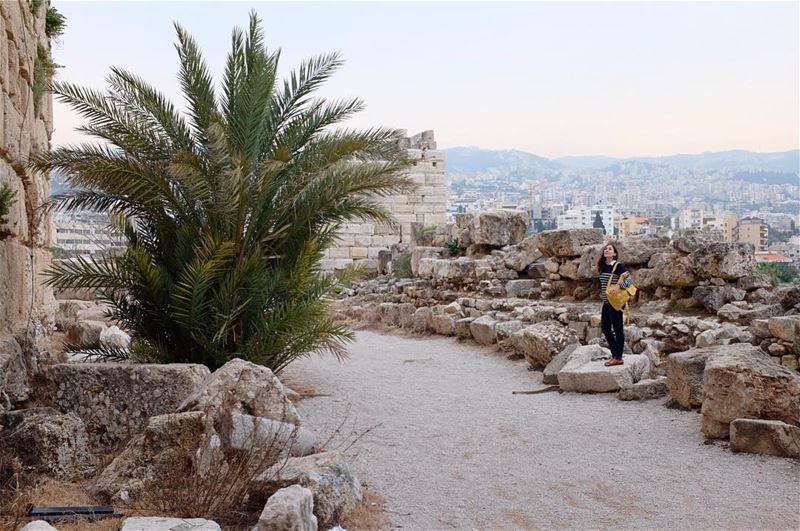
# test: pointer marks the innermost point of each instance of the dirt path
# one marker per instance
(452, 448)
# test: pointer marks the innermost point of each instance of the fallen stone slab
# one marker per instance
(139, 390)
(644, 390)
(766, 437)
(744, 382)
(289, 509)
(550, 374)
(160, 523)
(785, 328)
(582, 376)
(247, 432)
(498, 228)
(483, 330)
(568, 243)
(327, 475)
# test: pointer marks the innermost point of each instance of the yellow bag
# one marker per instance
(619, 300)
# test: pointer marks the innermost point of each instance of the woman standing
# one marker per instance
(611, 320)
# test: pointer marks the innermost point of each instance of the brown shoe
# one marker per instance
(613, 361)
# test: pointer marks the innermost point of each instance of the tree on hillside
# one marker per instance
(227, 208)
(598, 222)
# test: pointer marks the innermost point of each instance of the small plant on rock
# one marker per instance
(7, 195)
(453, 247)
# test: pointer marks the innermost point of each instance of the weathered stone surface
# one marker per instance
(785, 328)
(743, 382)
(242, 387)
(55, 445)
(86, 333)
(443, 324)
(162, 453)
(550, 374)
(67, 313)
(289, 509)
(715, 297)
(462, 328)
(592, 376)
(568, 243)
(670, 270)
(335, 488)
(766, 437)
(523, 254)
(483, 330)
(691, 241)
(633, 251)
(163, 523)
(421, 319)
(498, 228)
(685, 375)
(644, 390)
(245, 432)
(15, 385)
(540, 342)
(11, 419)
(420, 253)
(790, 298)
(729, 261)
(38, 525)
(520, 288)
(114, 337)
(724, 334)
(117, 388)
(755, 281)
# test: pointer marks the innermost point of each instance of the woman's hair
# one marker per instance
(602, 261)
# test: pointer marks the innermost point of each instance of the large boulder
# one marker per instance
(743, 382)
(767, 437)
(585, 373)
(671, 270)
(568, 243)
(242, 387)
(540, 342)
(521, 287)
(728, 261)
(715, 297)
(724, 334)
(168, 451)
(633, 251)
(289, 509)
(526, 252)
(685, 375)
(550, 373)
(336, 490)
(55, 445)
(420, 253)
(785, 328)
(86, 333)
(114, 337)
(483, 330)
(116, 400)
(498, 228)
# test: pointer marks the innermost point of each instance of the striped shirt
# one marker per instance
(605, 276)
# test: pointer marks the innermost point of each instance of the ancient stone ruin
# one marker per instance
(707, 327)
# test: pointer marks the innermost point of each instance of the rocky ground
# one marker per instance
(450, 447)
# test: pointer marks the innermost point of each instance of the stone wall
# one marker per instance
(361, 243)
(25, 128)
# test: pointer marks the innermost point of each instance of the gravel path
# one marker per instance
(452, 448)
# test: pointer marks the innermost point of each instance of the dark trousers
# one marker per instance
(612, 319)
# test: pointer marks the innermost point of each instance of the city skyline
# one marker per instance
(619, 80)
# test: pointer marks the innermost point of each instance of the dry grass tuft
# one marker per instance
(368, 516)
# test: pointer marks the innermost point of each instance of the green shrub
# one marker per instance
(780, 273)
(55, 23)
(453, 247)
(7, 196)
(226, 208)
(43, 70)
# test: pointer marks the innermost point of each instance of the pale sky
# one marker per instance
(617, 79)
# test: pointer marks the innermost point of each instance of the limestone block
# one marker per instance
(443, 324)
(242, 387)
(289, 509)
(540, 342)
(766, 437)
(644, 390)
(339, 252)
(785, 328)
(743, 382)
(336, 490)
(38, 525)
(118, 387)
(583, 376)
(358, 252)
(483, 330)
(685, 375)
(550, 375)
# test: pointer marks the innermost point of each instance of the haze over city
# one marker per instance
(617, 79)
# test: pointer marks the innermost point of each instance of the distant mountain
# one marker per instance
(474, 161)
(587, 162)
(767, 177)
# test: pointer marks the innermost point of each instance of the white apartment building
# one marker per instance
(85, 234)
(583, 218)
(691, 219)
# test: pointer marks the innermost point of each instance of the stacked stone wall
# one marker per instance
(361, 243)
(25, 129)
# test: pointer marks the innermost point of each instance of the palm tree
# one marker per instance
(227, 208)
